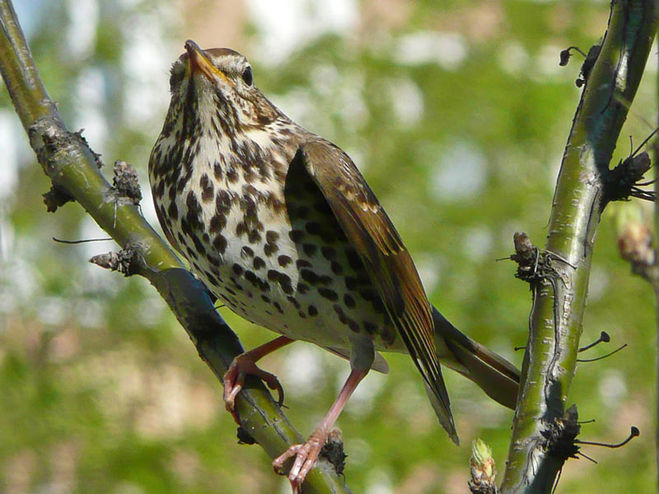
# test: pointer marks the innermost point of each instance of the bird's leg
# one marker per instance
(245, 364)
(306, 454)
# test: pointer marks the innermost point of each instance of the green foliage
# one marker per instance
(102, 391)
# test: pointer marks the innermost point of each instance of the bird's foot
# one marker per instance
(234, 379)
(305, 458)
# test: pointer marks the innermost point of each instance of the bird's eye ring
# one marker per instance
(247, 76)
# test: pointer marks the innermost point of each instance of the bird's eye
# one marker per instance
(247, 76)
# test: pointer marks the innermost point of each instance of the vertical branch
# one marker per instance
(579, 199)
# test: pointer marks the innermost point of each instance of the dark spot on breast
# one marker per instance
(217, 170)
(207, 188)
(258, 263)
(329, 253)
(313, 311)
(348, 300)
(281, 278)
(353, 259)
(296, 235)
(271, 236)
(222, 202)
(220, 243)
(314, 279)
(201, 250)
(252, 278)
(302, 263)
(232, 175)
(278, 307)
(172, 212)
(194, 210)
(269, 249)
(191, 252)
(254, 237)
(246, 252)
(293, 301)
(238, 269)
(302, 315)
(284, 260)
(217, 224)
(328, 294)
(354, 327)
(265, 298)
(241, 228)
(212, 279)
(351, 282)
(309, 249)
(343, 319)
(336, 268)
(302, 288)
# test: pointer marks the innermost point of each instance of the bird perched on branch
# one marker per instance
(282, 227)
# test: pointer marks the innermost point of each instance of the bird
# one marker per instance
(282, 228)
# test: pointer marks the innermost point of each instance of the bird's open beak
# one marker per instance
(199, 62)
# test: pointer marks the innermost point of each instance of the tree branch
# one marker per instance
(559, 293)
(74, 170)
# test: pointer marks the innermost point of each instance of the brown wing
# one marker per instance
(392, 272)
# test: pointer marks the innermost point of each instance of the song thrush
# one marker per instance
(282, 227)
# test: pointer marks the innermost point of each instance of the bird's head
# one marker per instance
(216, 84)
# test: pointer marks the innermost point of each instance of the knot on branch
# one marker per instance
(333, 451)
(54, 145)
(625, 180)
(125, 184)
(55, 198)
(128, 261)
(533, 264)
(560, 435)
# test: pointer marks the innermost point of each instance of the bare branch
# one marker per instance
(559, 297)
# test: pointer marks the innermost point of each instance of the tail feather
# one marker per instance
(443, 412)
(494, 374)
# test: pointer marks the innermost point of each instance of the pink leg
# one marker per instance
(306, 454)
(245, 364)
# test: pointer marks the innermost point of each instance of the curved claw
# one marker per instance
(234, 379)
(305, 455)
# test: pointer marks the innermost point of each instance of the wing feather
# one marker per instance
(391, 269)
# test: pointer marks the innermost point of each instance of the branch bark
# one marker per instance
(73, 168)
(559, 293)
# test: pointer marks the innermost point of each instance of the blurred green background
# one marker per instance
(457, 113)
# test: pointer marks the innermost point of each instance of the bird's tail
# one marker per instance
(493, 373)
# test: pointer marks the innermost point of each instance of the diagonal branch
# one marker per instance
(73, 168)
(559, 295)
